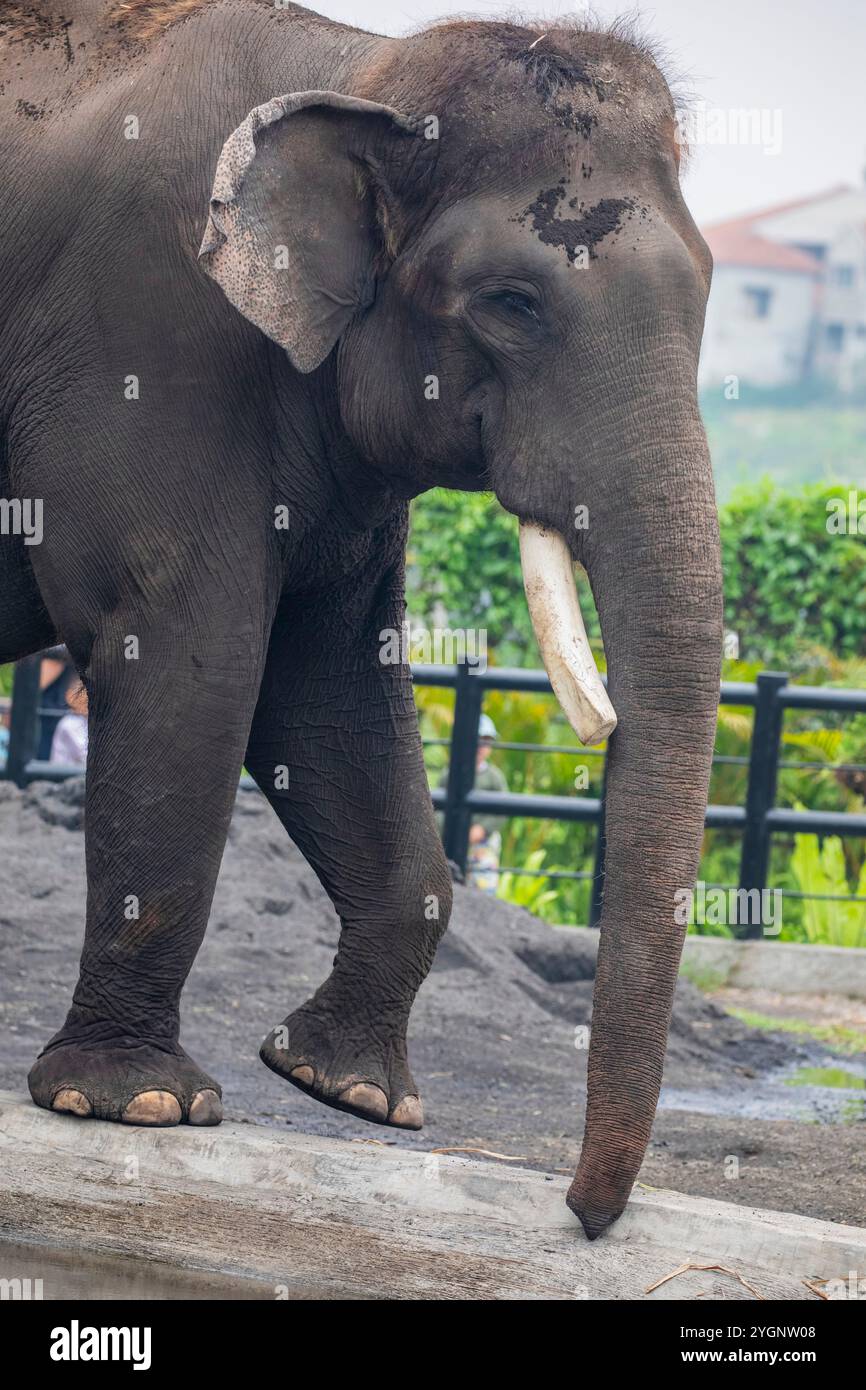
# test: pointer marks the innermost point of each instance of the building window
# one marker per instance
(819, 251)
(842, 275)
(834, 336)
(757, 301)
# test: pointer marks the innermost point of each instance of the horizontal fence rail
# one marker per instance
(757, 821)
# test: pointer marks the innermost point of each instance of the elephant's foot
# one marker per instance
(133, 1083)
(352, 1062)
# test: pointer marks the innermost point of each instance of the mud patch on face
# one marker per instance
(574, 234)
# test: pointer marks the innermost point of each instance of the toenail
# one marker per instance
(206, 1109)
(369, 1100)
(305, 1075)
(152, 1108)
(71, 1102)
(408, 1114)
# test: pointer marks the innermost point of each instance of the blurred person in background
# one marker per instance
(485, 834)
(56, 673)
(5, 719)
(69, 745)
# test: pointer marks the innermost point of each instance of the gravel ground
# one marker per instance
(492, 1039)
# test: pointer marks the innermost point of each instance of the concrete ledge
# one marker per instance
(786, 966)
(297, 1213)
(789, 967)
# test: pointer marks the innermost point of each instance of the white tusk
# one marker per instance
(548, 578)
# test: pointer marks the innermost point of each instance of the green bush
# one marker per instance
(796, 596)
(821, 869)
(464, 559)
(790, 585)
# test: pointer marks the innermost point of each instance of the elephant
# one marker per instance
(265, 279)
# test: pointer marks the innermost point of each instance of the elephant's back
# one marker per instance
(110, 135)
(56, 62)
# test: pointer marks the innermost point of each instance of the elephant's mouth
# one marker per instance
(556, 617)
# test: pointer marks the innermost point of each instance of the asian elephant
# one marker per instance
(265, 278)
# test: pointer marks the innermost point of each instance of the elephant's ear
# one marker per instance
(292, 236)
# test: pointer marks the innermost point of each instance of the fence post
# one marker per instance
(761, 794)
(597, 898)
(24, 719)
(461, 769)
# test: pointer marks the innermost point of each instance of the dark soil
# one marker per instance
(492, 1039)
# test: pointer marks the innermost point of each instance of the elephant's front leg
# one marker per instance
(340, 727)
(170, 709)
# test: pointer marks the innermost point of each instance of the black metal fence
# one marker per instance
(757, 821)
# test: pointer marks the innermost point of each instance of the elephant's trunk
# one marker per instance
(652, 553)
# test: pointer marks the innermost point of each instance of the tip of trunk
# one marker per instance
(594, 1216)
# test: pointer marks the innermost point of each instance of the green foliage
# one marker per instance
(821, 869)
(526, 891)
(794, 593)
(549, 845)
(790, 585)
(560, 846)
(463, 556)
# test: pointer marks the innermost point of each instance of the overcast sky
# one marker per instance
(801, 58)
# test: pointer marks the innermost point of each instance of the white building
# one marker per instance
(789, 294)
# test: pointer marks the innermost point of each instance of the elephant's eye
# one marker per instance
(514, 302)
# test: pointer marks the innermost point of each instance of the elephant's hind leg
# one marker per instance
(357, 805)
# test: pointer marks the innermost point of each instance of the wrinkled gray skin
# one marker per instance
(402, 257)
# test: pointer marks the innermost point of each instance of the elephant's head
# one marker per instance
(517, 300)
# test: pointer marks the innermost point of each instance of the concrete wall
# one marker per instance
(785, 966)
